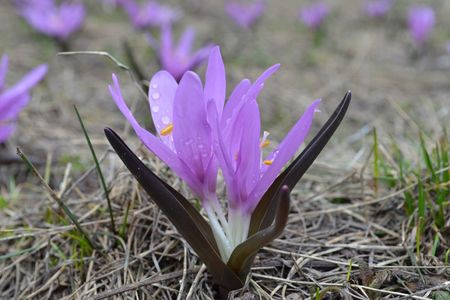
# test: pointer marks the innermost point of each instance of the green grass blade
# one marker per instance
(409, 203)
(124, 226)
(419, 231)
(427, 159)
(421, 199)
(435, 245)
(99, 170)
(376, 160)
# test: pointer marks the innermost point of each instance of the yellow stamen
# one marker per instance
(167, 130)
(268, 162)
(264, 144)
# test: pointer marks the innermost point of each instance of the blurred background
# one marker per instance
(397, 85)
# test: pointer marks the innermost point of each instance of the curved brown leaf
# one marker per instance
(245, 251)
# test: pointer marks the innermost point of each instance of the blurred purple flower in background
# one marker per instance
(245, 14)
(314, 15)
(57, 21)
(179, 59)
(377, 8)
(14, 99)
(421, 21)
(150, 13)
(448, 47)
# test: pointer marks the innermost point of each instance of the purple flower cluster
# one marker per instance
(15, 98)
(57, 21)
(245, 14)
(149, 14)
(421, 21)
(314, 15)
(179, 58)
(377, 8)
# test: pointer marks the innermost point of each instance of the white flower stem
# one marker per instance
(217, 207)
(222, 241)
(239, 223)
(228, 234)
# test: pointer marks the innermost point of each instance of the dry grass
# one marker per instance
(345, 238)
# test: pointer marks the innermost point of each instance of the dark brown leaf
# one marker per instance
(243, 254)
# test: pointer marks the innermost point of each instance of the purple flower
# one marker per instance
(421, 20)
(14, 99)
(313, 15)
(198, 134)
(377, 8)
(53, 20)
(245, 14)
(179, 59)
(150, 13)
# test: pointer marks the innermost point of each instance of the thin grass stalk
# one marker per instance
(99, 170)
(376, 160)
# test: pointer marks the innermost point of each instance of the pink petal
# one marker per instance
(166, 50)
(215, 79)
(231, 126)
(23, 86)
(248, 154)
(236, 97)
(186, 42)
(221, 151)
(161, 96)
(284, 152)
(149, 140)
(6, 130)
(191, 131)
(256, 88)
(12, 111)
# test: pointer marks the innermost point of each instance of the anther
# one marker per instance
(167, 130)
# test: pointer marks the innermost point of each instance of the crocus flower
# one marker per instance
(314, 15)
(239, 147)
(15, 98)
(245, 14)
(377, 8)
(57, 21)
(150, 13)
(198, 133)
(179, 59)
(421, 20)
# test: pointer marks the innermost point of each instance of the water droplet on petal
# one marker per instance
(155, 108)
(317, 110)
(165, 120)
(156, 95)
(155, 86)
